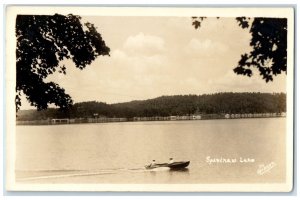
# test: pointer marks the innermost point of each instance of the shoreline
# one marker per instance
(144, 119)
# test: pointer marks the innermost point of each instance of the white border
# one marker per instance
(133, 11)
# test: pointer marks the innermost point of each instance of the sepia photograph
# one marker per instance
(149, 99)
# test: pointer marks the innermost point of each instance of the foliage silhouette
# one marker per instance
(269, 46)
(42, 42)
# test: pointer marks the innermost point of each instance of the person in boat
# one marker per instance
(153, 163)
(171, 161)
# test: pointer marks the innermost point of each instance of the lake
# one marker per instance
(220, 151)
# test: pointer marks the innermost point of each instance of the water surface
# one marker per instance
(117, 152)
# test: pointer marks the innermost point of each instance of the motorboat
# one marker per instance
(173, 166)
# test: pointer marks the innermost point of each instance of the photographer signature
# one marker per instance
(263, 169)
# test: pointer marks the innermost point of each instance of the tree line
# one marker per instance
(218, 103)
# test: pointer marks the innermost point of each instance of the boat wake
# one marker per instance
(65, 175)
(56, 174)
(159, 169)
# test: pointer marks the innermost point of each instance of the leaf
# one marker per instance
(51, 39)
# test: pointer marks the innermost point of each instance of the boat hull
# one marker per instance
(179, 165)
(173, 166)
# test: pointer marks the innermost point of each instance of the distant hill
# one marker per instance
(170, 105)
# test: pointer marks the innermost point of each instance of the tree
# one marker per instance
(217, 104)
(42, 42)
(269, 43)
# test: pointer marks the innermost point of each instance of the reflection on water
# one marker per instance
(117, 152)
(186, 170)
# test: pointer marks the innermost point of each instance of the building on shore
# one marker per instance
(103, 119)
(60, 121)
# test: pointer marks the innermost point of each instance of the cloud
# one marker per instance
(205, 47)
(120, 77)
(239, 83)
(137, 64)
(144, 44)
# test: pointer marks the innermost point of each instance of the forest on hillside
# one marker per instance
(218, 103)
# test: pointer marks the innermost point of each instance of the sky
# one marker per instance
(155, 56)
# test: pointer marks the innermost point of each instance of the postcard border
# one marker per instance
(129, 11)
